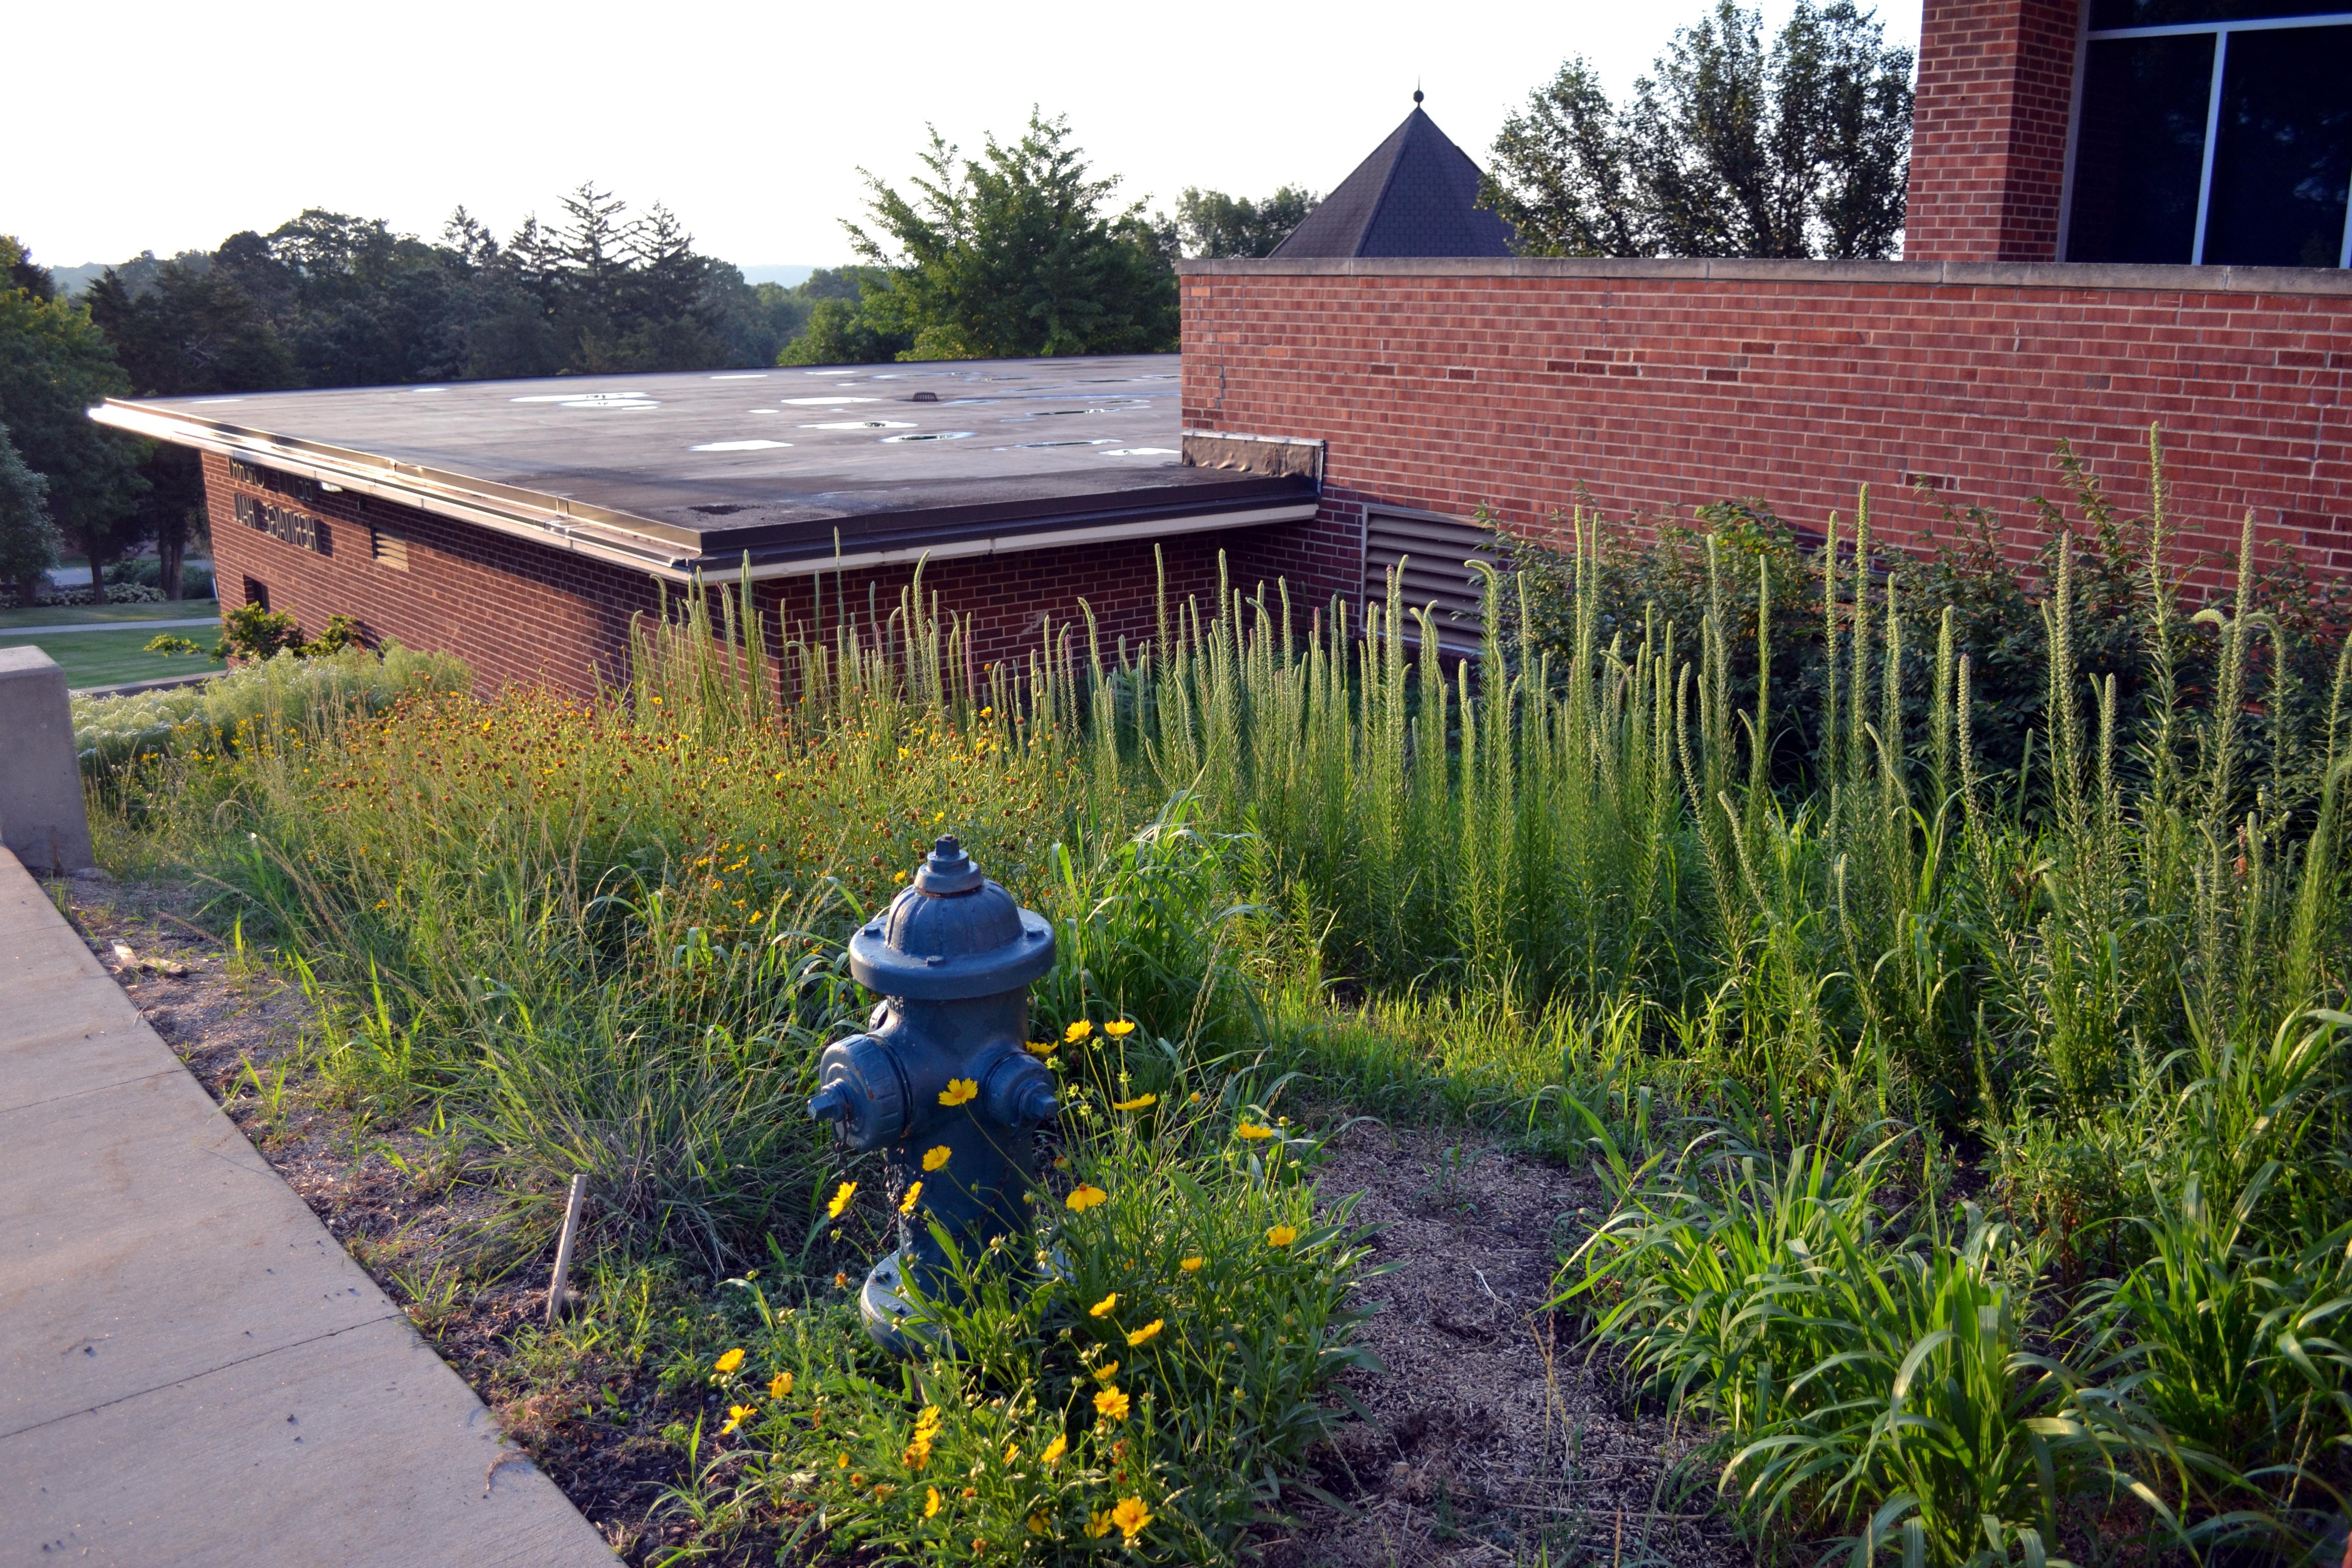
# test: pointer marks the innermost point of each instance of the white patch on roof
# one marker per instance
(737, 446)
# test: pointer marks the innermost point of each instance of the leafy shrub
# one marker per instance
(110, 733)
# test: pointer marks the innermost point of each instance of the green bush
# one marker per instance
(110, 733)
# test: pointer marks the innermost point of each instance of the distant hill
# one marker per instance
(71, 281)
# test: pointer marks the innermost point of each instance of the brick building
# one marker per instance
(2122, 212)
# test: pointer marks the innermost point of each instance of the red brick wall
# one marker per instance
(1989, 134)
(520, 612)
(1655, 387)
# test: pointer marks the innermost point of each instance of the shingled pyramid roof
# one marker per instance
(1416, 195)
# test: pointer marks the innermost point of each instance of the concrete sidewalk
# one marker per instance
(192, 1370)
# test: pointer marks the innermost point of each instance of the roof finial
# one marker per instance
(1416, 89)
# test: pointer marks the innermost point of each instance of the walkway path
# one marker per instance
(192, 1370)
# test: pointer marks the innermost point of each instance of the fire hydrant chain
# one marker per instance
(942, 1082)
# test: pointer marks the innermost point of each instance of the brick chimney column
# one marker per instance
(1989, 134)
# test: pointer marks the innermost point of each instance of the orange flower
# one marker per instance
(1191, 1265)
(931, 1501)
(1111, 1404)
(728, 1362)
(959, 1090)
(1130, 1516)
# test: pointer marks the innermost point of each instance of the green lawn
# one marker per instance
(84, 615)
(105, 658)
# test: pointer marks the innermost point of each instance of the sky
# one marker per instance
(177, 125)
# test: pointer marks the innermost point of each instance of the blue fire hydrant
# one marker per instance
(943, 1081)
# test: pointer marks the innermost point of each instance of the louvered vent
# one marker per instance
(389, 549)
(1436, 552)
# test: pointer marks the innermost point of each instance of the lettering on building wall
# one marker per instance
(283, 523)
(265, 478)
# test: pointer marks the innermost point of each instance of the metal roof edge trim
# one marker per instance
(2319, 280)
(1013, 543)
(616, 537)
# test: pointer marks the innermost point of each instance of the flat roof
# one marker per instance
(690, 471)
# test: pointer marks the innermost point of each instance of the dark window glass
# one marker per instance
(256, 594)
(2139, 152)
(2171, 13)
(2284, 157)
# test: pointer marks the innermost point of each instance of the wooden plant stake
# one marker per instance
(559, 1294)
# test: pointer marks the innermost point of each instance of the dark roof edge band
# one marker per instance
(2323, 280)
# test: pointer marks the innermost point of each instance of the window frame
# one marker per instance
(2086, 35)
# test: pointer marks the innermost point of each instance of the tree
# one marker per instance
(30, 540)
(1728, 148)
(54, 364)
(193, 331)
(1014, 255)
(17, 269)
(1210, 223)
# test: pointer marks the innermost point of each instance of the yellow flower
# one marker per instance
(934, 1158)
(1191, 1265)
(1281, 1235)
(1102, 1309)
(1011, 1453)
(1253, 1132)
(847, 1191)
(1106, 1372)
(1130, 1516)
(1138, 1103)
(1084, 1197)
(1043, 1047)
(736, 1415)
(926, 1420)
(1036, 1524)
(1098, 1524)
(958, 1089)
(1056, 1449)
(1138, 1336)
(918, 1452)
(730, 1362)
(930, 1500)
(1111, 1404)
(780, 1386)
(1077, 1032)
(907, 1204)
(841, 1281)
(1119, 1030)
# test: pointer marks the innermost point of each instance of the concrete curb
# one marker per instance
(161, 683)
(192, 1370)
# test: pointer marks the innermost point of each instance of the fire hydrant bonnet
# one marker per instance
(952, 934)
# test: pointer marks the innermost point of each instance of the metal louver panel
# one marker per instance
(1435, 553)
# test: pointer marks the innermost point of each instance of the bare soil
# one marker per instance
(1489, 1438)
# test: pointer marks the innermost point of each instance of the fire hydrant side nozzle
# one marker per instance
(942, 1082)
